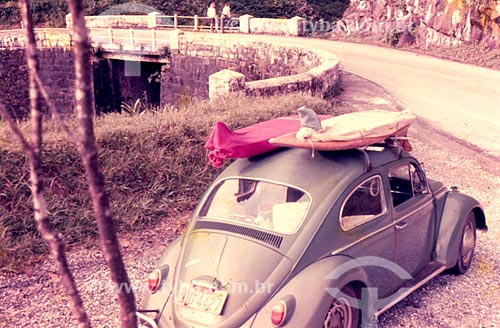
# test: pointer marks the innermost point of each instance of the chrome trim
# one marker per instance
(384, 202)
(379, 230)
(148, 320)
(409, 291)
(339, 250)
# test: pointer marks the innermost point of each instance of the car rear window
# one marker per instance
(266, 205)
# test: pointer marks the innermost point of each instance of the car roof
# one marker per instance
(306, 168)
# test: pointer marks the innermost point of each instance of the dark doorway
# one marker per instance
(120, 83)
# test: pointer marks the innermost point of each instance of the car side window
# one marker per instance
(364, 204)
(405, 183)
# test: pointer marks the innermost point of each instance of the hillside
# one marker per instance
(427, 22)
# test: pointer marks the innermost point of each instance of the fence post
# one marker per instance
(196, 22)
(110, 32)
(153, 19)
(245, 24)
(175, 21)
(153, 40)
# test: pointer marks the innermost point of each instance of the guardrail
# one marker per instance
(196, 23)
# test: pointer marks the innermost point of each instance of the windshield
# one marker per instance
(263, 204)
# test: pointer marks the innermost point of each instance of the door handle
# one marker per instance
(401, 226)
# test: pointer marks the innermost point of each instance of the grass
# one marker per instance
(154, 163)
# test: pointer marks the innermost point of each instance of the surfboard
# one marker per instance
(248, 141)
(352, 130)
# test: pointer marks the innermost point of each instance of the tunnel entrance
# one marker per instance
(120, 83)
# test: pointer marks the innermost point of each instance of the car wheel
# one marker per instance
(344, 311)
(467, 244)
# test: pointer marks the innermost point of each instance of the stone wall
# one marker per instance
(56, 63)
(273, 67)
(14, 89)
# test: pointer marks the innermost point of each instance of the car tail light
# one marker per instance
(154, 280)
(278, 313)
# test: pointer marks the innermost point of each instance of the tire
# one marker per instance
(467, 244)
(344, 312)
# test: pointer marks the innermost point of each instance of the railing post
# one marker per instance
(175, 21)
(110, 32)
(131, 36)
(153, 40)
(196, 22)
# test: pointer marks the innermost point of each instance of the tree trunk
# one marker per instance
(33, 152)
(88, 153)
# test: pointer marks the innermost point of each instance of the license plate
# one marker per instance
(201, 298)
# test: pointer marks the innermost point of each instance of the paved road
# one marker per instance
(463, 100)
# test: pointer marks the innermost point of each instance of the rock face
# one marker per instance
(437, 22)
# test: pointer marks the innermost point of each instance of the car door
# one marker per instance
(412, 213)
(368, 230)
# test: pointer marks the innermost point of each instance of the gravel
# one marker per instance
(35, 298)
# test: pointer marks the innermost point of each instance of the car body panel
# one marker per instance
(303, 266)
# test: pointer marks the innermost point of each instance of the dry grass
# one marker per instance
(155, 167)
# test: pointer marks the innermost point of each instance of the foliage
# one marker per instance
(155, 165)
(52, 12)
(393, 36)
(135, 109)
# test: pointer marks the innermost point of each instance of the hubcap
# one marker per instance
(468, 243)
(339, 316)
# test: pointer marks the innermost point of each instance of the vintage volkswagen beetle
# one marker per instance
(295, 238)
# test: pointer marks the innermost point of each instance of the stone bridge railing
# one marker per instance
(243, 24)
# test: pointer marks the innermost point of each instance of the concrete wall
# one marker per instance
(114, 21)
(273, 26)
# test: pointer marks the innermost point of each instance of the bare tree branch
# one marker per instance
(15, 129)
(33, 152)
(88, 153)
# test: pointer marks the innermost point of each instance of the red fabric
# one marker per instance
(249, 141)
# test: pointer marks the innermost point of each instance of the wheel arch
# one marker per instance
(310, 290)
(456, 208)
